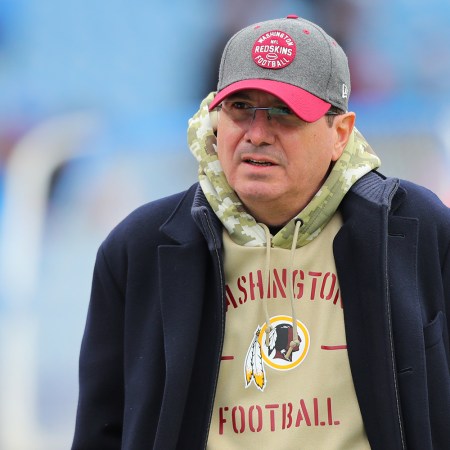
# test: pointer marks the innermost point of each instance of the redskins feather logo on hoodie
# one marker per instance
(275, 350)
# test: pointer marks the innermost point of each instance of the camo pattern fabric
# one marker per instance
(356, 160)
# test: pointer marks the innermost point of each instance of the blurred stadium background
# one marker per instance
(94, 102)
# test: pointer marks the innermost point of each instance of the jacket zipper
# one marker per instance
(222, 294)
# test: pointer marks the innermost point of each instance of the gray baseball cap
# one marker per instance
(290, 58)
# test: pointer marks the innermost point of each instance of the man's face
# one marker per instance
(270, 164)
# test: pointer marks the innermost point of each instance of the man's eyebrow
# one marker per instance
(236, 95)
(277, 103)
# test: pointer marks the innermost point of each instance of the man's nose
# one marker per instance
(261, 130)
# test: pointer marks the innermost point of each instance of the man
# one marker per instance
(294, 298)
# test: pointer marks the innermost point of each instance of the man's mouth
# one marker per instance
(258, 163)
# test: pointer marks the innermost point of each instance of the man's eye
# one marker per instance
(284, 110)
(240, 105)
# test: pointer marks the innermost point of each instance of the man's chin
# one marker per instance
(257, 192)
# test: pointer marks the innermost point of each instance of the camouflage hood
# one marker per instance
(356, 160)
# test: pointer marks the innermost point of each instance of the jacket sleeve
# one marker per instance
(101, 390)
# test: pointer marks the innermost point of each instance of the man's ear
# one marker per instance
(343, 125)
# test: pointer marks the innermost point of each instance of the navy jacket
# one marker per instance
(151, 350)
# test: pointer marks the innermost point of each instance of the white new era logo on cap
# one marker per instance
(344, 91)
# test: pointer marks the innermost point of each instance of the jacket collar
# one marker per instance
(181, 230)
(376, 188)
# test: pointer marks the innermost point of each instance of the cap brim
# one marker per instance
(304, 104)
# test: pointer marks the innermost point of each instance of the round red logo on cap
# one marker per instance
(274, 50)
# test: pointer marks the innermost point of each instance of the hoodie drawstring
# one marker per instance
(267, 283)
(295, 341)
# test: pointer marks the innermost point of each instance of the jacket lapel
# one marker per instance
(381, 294)
(362, 270)
(182, 267)
(408, 329)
